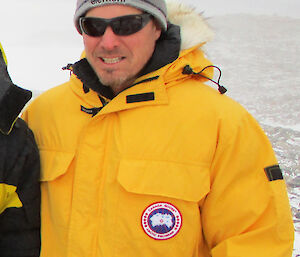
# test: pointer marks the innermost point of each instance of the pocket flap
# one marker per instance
(54, 164)
(175, 180)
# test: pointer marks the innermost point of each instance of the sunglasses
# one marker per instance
(122, 26)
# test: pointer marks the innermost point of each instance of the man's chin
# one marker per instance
(114, 78)
(117, 84)
(112, 82)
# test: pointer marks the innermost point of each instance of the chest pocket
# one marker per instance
(56, 185)
(145, 184)
(168, 179)
(54, 164)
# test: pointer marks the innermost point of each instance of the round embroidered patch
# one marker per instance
(161, 221)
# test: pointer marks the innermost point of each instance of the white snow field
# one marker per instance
(259, 57)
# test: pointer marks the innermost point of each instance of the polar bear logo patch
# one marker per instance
(161, 221)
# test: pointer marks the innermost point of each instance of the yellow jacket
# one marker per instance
(182, 172)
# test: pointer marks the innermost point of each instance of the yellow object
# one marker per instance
(190, 146)
(3, 54)
(8, 197)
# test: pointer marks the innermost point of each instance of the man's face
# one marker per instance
(118, 59)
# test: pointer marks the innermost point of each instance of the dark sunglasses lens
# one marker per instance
(121, 26)
(93, 27)
(127, 25)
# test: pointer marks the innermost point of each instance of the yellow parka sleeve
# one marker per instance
(246, 214)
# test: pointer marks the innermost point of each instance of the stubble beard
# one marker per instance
(116, 82)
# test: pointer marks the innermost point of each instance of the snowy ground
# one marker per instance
(260, 60)
(259, 57)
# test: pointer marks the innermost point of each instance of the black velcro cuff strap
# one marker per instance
(274, 173)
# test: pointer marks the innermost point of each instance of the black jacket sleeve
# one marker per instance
(20, 167)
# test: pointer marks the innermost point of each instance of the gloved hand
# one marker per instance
(12, 98)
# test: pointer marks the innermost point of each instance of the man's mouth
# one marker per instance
(112, 60)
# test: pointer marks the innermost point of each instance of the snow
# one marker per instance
(259, 56)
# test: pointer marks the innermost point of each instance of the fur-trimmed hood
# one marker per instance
(12, 98)
(194, 28)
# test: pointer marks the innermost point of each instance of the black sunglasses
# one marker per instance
(122, 26)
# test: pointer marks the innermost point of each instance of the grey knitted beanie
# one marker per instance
(155, 7)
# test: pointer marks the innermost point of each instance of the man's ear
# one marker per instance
(158, 30)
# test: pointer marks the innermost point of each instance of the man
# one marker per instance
(19, 174)
(141, 158)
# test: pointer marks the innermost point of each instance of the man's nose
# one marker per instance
(109, 40)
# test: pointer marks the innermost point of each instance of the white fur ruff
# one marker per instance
(194, 29)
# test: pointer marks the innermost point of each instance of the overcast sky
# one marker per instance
(289, 8)
(28, 16)
(28, 8)
(39, 36)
